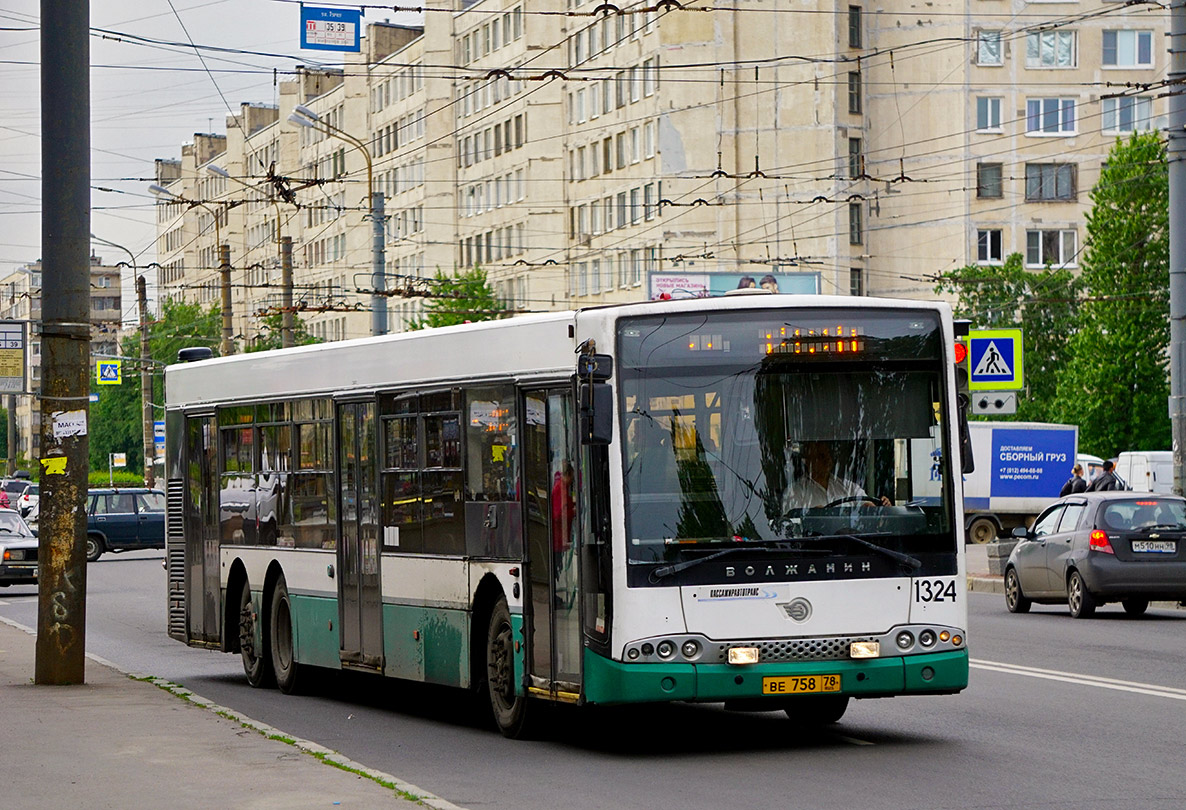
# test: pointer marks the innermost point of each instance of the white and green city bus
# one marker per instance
(748, 499)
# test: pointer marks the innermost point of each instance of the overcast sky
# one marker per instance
(146, 100)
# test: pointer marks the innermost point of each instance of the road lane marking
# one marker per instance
(1135, 687)
(852, 740)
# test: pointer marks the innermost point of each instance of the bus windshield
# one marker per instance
(786, 429)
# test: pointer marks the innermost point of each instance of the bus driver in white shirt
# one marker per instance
(820, 486)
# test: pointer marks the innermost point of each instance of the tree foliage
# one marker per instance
(270, 335)
(460, 299)
(1043, 303)
(1115, 384)
(116, 420)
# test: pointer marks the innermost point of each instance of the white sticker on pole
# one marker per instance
(69, 423)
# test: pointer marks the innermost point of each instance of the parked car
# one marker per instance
(28, 499)
(1097, 547)
(18, 550)
(124, 520)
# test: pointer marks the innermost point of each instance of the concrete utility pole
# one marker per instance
(1176, 149)
(378, 268)
(227, 347)
(65, 340)
(146, 385)
(286, 313)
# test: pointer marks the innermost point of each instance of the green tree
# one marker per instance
(1043, 303)
(270, 333)
(460, 299)
(116, 420)
(1115, 384)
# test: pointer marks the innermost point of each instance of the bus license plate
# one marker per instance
(800, 684)
(1155, 546)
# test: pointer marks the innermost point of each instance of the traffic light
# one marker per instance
(963, 397)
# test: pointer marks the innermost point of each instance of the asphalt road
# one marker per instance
(1060, 714)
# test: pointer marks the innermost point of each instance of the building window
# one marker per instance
(1056, 248)
(988, 114)
(988, 180)
(988, 48)
(854, 26)
(1127, 114)
(854, 92)
(856, 161)
(854, 224)
(1050, 116)
(989, 247)
(856, 281)
(1050, 49)
(1050, 181)
(1128, 49)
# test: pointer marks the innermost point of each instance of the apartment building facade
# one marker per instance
(20, 300)
(583, 157)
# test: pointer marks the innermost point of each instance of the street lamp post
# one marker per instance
(303, 116)
(227, 346)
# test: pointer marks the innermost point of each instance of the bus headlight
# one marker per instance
(905, 640)
(927, 638)
(864, 649)
(743, 655)
(690, 649)
(665, 649)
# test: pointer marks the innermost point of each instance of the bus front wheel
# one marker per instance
(508, 708)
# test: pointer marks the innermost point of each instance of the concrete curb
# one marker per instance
(315, 750)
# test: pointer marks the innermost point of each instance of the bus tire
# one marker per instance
(821, 710)
(257, 663)
(981, 531)
(94, 547)
(509, 710)
(283, 653)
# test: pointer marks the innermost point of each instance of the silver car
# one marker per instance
(18, 551)
(1097, 547)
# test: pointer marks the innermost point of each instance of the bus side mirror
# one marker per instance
(967, 460)
(597, 412)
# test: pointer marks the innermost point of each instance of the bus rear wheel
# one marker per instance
(284, 663)
(256, 659)
(508, 708)
(817, 711)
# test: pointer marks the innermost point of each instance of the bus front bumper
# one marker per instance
(609, 682)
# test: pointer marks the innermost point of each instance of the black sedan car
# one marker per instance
(1096, 547)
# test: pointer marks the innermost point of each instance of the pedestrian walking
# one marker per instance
(1075, 483)
(1108, 480)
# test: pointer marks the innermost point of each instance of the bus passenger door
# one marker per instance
(550, 457)
(360, 597)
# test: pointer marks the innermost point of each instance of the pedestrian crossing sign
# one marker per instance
(995, 360)
(107, 372)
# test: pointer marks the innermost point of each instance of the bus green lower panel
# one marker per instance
(315, 631)
(608, 681)
(426, 644)
(519, 633)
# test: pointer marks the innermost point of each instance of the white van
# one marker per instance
(1147, 470)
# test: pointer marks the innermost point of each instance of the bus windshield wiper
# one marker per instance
(667, 570)
(905, 559)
